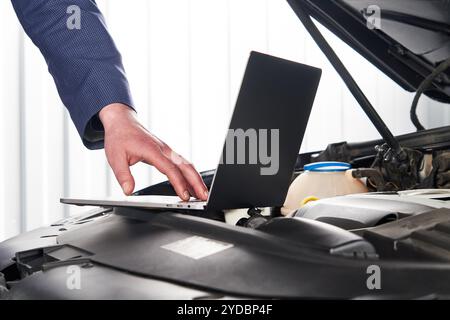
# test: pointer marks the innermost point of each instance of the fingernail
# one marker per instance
(126, 187)
(186, 195)
(206, 194)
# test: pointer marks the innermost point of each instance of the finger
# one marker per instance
(195, 180)
(119, 165)
(191, 191)
(190, 174)
(173, 173)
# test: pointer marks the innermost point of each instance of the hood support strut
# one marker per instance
(351, 84)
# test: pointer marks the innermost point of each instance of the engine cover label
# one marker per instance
(196, 247)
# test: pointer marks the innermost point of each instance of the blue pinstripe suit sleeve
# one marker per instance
(85, 64)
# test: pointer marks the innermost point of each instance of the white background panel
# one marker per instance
(11, 219)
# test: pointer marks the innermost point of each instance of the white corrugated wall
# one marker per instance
(185, 60)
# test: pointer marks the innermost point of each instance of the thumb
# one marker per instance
(121, 170)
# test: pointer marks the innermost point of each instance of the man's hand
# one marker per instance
(127, 142)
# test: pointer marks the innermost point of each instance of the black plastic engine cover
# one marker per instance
(256, 263)
(425, 236)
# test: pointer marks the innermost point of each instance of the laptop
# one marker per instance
(261, 145)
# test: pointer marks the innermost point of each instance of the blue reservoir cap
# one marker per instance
(327, 166)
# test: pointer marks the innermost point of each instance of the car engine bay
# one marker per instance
(352, 206)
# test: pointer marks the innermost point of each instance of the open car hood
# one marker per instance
(405, 39)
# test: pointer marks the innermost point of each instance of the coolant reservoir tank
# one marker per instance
(321, 180)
